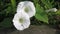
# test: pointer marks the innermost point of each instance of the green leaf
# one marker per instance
(35, 1)
(41, 14)
(13, 3)
(9, 9)
(47, 3)
(58, 12)
(7, 22)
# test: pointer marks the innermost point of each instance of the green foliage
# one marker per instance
(47, 3)
(41, 14)
(7, 10)
(41, 6)
(36, 1)
(58, 12)
(7, 22)
(13, 4)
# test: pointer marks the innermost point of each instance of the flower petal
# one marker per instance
(30, 5)
(19, 25)
(53, 9)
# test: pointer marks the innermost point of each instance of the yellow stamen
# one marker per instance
(26, 9)
(21, 20)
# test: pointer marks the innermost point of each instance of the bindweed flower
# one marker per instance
(21, 21)
(53, 9)
(27, 7)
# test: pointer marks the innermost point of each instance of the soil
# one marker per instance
(42, 29)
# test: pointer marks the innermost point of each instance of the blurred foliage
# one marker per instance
(41, 6)
(8, 9)
(41, 14)
(6, 23)
(58, 12)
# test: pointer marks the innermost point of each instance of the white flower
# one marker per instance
(21, 21)
(53, 9)
(28, 7)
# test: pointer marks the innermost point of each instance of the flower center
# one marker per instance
(26, 9)
(21, 20)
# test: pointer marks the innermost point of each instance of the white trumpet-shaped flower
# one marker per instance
(21, 21)
(28, 7)
(53, 9)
